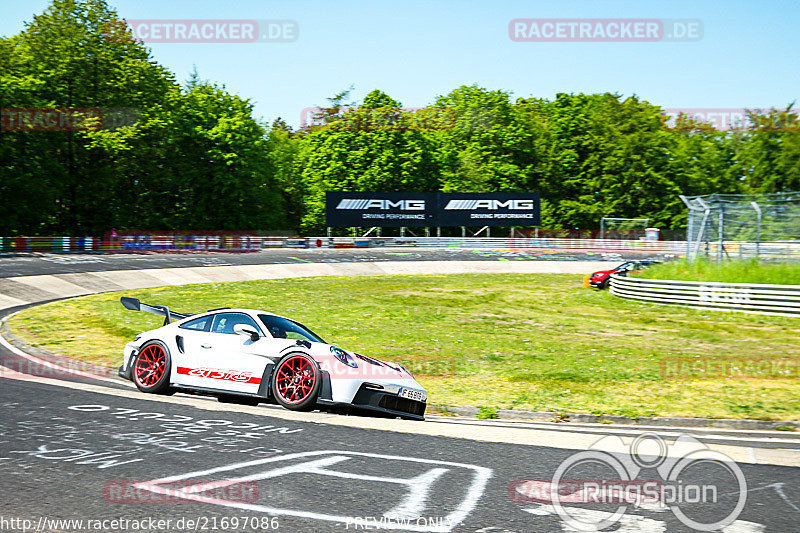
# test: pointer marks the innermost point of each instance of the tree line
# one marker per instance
(191, 156)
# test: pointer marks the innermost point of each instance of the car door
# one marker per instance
(232, 362)
(193, 340)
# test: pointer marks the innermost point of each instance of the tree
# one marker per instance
(378, 99)
(768, 155)
(337, 102)
(75, 63)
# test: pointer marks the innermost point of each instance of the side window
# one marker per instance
(198, 324)
(224, 322)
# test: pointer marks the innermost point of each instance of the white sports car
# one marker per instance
(249, 356)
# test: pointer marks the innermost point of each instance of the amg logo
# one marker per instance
(364, 203)
(471, 205)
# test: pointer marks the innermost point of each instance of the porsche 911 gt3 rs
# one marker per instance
(250, 356)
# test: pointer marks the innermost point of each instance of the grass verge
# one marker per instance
(746, 271)
(501, 341)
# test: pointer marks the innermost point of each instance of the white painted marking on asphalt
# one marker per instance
(570, 440)
(670, 431)
(402, 516)
(627, 523)
(419, 489)
(778, 488)
(412, 508)
(752, 455)
(632, 523)
(743, 526)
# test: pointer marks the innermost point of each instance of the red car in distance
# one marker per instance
(601, 278)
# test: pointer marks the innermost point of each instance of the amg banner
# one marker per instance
(488, 209)
(352, 209)
(348, 209)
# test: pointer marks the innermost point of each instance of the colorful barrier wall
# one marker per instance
(135, 243)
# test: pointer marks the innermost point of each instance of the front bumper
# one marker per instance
(594, 283)
(388, 402)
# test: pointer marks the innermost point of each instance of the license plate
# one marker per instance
(412, 394)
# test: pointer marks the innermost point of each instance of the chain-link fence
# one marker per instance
(732, 226)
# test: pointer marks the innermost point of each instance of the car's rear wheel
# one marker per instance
(151, 368)
(296, 382)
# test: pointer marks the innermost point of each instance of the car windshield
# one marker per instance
(625, 266)
(283, 328)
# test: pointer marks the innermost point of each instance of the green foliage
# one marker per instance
(377, 99)
(487, 413)
(519, 341)
(195, 158)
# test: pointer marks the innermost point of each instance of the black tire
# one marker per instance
(605, 284)
(153, 357)
(239, 400)
(292, 378)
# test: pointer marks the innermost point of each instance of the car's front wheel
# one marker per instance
(296, 382)
(151, 368)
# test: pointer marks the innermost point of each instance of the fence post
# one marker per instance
(702, 231)
(689, 226)
(758, 226)
(721, 232)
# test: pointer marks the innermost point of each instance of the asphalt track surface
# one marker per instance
(91, 451)
(29, 264)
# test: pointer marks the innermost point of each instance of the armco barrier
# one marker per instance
(733, 250)
(611, 245)
(760, 299)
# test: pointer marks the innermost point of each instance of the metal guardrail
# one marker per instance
(733, 250)
(611, 245)
(760, 299)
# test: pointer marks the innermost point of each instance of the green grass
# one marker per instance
(516, 341)
(747, 271)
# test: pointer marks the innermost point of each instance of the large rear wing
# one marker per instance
(161, 310)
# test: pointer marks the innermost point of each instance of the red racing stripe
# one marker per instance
(216, 373)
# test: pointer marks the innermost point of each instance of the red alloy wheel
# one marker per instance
(150, 365)
(295, 379)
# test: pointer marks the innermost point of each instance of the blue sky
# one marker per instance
(415, 50)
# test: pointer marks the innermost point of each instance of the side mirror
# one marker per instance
(244, 329)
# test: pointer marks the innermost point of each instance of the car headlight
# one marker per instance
(343, 357)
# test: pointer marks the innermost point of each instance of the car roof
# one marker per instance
(233, 310)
